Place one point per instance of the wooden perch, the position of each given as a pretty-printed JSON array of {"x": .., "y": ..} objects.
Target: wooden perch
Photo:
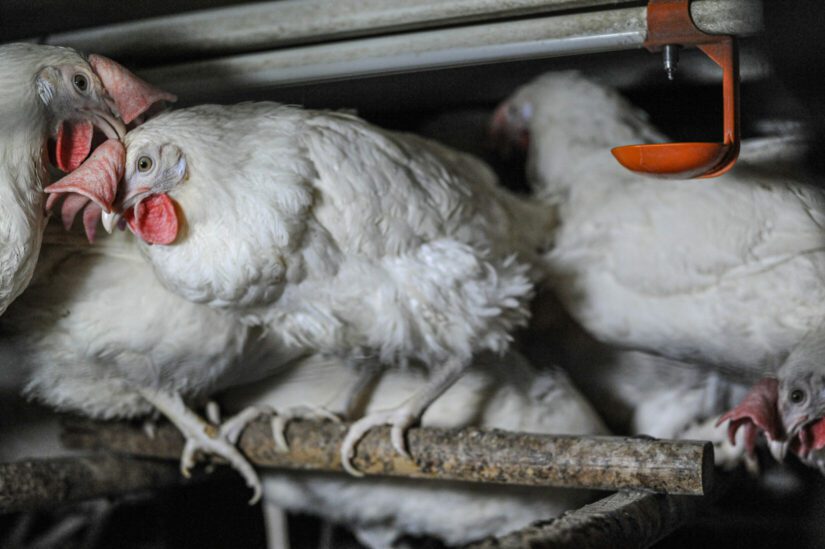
[
  {"x": 607, "y": 463},
  {"x": 41, "y": 483},
  {"x": 625, "y": 519}
]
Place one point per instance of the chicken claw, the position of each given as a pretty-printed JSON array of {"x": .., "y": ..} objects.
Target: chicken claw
[
  {"x": 202, "y": 436},
  {"x": 400, "y": 419},
  {"x": 213, "y": 412},
  {"x": 403, "y": 417},
  {"x": 369, "y": 372},
  {"x": 220, "y": 441}
]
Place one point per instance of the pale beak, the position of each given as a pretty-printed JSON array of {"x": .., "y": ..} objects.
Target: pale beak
[
  {"x": 110, "y": 220},
  {"x": 109, "y": 124},
  {"x": 779, "y": 449}
]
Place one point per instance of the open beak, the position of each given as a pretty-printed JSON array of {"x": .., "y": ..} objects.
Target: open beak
[
  {"x": 810, "y": 433},
  {"x": 74, "y": 137},
  {"x": 126, "y": 98},
  {"x": 109, "y": 124}
]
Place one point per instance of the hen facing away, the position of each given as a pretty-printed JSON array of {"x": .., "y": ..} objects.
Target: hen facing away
[
  {"x": 727, "y": 272},
  {"x": 502, "y": 393},
  {"x": 96, "y": 333},
  {"x": 338, "y": 236},
  {"x": 639, "y": 393},
  {"x": 51, "y": 92}
]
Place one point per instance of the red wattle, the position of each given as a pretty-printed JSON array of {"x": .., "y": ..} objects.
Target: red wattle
[
  {"x": 74, "y": 141},
  {"x": 156, "y": 221}
]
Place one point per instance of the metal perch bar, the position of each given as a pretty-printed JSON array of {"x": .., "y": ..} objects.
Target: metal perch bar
[
  {"x": 624, "y": 519},
  {"x": 607, "y": 463},
  {"x": 223, "y": 61},
  {"x": 35, "y": 484},
  {"x": 410, "y": 52},
  {"x": 269, "y": 25},
  {"x": 532, "y": 38}
]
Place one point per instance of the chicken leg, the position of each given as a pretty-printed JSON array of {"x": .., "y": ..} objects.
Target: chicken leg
[
  {"x": 354, "y": 395},
  {"x": 402, "y": 417},
  {"x": 203, "y": 436}
]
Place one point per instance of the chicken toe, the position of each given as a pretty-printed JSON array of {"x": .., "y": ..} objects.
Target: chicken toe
[
  {"x": 400, "y": 419},
  {"x": 206, "y": 438},
  {"x": 403, "y": 417}
]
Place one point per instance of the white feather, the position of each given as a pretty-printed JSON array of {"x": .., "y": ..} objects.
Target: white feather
[
  {"x": 96, "y": 324},
  {"x": 26, "y": 126},
  {"x": 725, "y": 271},
  {"x": 342, "y": 237}
]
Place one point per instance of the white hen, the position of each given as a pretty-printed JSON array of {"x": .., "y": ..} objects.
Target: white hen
[
  {"x": 503, "y": 393},
  {"x": 96, "y": 333},
  {"x": 337, "y": 235},
  {"x": 727, "y": 271},
  {"x": 638, "y": 393},
  {"x": 46, "y": 91}
]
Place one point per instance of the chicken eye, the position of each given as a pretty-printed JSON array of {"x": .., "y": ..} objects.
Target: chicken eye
[
  {"x": 80, "y": 82},
  {"x": 144, "y": 164},
  {"x": 797, "y": 396},
  {"x": 527, "y": 111}
]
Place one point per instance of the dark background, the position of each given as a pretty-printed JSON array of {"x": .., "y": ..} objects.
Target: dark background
[{"x": 783, "y": 509}]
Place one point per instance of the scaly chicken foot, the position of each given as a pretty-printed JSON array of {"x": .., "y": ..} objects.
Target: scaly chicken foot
[
  {"x": 202, "y": 436},
  {"x": 402, "y": 417},
  {"x": 369, "y": 372}
]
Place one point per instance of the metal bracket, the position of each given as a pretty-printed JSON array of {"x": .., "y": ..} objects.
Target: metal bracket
[{"x": 670, "y": 24}]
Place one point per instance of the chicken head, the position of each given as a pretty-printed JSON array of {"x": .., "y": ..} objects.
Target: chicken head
[
  {"x": 801, "y": 399},
  {"x": 79, "y": 96},
  {"x": 149, "y": 172}
]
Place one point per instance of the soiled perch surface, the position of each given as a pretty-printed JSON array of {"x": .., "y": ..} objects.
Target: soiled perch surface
[{"x": 499, "y": 392}]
